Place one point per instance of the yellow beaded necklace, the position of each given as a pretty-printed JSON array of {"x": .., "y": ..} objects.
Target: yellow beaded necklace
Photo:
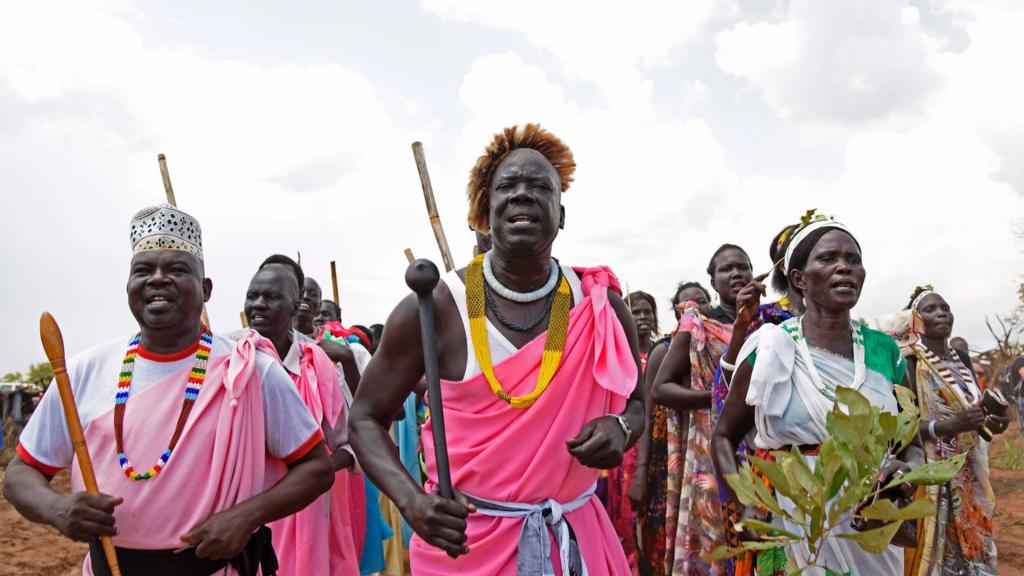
[{"x": 554, "y": 343}]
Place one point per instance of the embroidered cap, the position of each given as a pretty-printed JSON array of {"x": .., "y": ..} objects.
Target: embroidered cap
[{"x": 164, "y": 227}]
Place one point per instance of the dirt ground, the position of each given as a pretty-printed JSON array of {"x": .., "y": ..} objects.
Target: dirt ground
[{"x": 28, "y": 548}]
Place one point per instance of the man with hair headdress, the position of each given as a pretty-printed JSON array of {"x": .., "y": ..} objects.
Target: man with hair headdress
[
  {"x": 234, "y": 446},
  {"x": 539, "y": 365}
]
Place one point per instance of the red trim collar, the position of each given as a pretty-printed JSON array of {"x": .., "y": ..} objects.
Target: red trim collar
[
  {"x": 33, "y": 462},
  {"x": 173, "y": 356}
]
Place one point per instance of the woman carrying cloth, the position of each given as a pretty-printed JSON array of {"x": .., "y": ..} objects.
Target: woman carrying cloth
[
  {"x": 958, "y": 539},
  {"x": 786, "y": 377}
]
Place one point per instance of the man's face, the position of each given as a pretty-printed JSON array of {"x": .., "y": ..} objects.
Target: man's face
[
  {"x": 329, "y": 312},
  {"x": 525, "y": 203},
  {"x": 309, "y": 302},
  {"x": 166, "y": 288},
  {"x": 272, "y": 301}
]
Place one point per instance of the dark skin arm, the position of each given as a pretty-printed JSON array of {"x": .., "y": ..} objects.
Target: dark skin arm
[
  {"x": 341, "y": 459},
  {"x": 79, "y": 516},
  {"x": 638, "y": 489},
  {"x": 226, "y": 533},
  {"x": 343, "y": 355},
  {"x": 672, "y": 383}
]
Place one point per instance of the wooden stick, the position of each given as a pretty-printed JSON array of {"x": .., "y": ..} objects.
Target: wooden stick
[
  {"x": 428, "y": 195},
  {"x": 409, "y": 256},
  {"x": 53, "y": 344},
  {"x": 334, "y": 282},
  {"x": 167, "y": 179},
  {"x": 245, "y": 321}
]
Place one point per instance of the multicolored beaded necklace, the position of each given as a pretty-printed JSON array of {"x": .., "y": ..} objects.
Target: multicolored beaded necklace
[{"x": 124, "y": 389}]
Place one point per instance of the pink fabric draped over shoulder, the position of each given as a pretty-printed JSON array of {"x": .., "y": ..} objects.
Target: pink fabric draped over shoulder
[
  {"x": 220, "y": 460},
  {"x": 302, "y": 541},
  {"x": 508, "y": 454}
]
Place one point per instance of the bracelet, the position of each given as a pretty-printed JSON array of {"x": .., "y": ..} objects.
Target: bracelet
[
  {"x": 931, "y": 430},
  {"x": 725, "y": 365}
]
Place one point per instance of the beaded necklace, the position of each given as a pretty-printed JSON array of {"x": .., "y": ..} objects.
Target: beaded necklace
[
  {"x": 554, "y": 343},
  {"x": 124, "y": 389}
]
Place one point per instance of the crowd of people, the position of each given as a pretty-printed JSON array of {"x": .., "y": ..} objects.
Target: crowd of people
[{"x": 581, "y": 441}]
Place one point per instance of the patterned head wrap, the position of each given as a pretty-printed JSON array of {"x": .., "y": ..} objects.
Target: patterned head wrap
[
  {"x": 164, "y": 227},
  {"x": 921, "y": 293},
  {"x": 803, "y": 232}
]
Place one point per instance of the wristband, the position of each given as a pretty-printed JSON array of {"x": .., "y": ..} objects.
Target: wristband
[
  {"x": 725, "y": 365},
  {"x": 931, "y": 430}
]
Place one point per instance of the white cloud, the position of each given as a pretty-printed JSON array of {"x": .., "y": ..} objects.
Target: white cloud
[
  {"x": 834, "y": 62},
  {"x": 602, "y": 41}
]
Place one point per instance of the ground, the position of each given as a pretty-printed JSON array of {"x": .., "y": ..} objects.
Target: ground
[{"x": 28, "y": 548}]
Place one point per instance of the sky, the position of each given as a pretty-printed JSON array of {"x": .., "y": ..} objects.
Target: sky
[{"x": 287, "y": 128}]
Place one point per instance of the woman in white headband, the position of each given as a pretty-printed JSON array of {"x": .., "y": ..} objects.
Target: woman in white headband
[
  {"x": 958, "y": 539},
  {"x": 786, "y": 377}
]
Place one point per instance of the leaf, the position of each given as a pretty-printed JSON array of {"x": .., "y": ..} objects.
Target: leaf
[
  {"x": 849, "y": 430},
  {"x": 772, "y": 471},
  {"x": 857, "y": 405},
  {"x": 829, "y": 469},
  {"x": 907, "y": 400},
  {"x": 932, "y": 473},
  {"x": 890, "y": 426},
  {"x": 766, "y": 528},
  {"x": 885, "y": 509},
  {"x": 875, "y": 540},
  {"x": 723, "y": 552},
  {"x": 742, "y": 484}
]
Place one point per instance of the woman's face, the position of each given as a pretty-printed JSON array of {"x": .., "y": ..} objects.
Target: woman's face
[
  {"x": 693, "y": 294},
  {"x": 938, "y": 318},
  {"x": 732, "y": 273},
  {"x": 834, "y": 273},
  {"x": 643, "y": 317}
]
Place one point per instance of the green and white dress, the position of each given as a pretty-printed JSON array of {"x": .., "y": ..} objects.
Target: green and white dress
[{"x": 792, "y": 389}]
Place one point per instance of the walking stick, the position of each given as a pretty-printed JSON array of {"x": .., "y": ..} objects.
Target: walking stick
[
  {"x": 334, "y": 282},
  {"x": 53, "y": 344},
  {"x": 422, "y": 276},
  {"x": 435, "y": 219}
]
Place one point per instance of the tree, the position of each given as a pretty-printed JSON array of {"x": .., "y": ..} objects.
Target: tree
[
  {"x": 40, "y": 374},
  {"x": 13, "y": 377}
]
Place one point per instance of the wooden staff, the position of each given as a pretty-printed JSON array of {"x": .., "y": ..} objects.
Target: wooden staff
[
  {"x": 169, "y": 191},
  {"x": 166, "y": 175},
  {"x": 245, "y": 321},
  {"x": 409, "y": 256},
  {"x": 435, "y": 219},
  {"x": 53, "y": 344},
  {"x": 334, "y": 282}
]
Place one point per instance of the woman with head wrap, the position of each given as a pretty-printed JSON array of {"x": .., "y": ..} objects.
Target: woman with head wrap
[
  {"x": 786, "y": 378},
  {"x": 958, "y": 539},
  {"x": 684, "y": 384}
]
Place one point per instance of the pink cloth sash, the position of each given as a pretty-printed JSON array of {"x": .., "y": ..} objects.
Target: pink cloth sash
[
  {"x": 506, "y": 454},
  {"x": 302, "y": 540},
  {"x": 219, "y": 462}
]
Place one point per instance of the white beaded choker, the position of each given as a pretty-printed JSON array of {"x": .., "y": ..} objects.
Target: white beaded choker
[{"x": 514, "y": 296}]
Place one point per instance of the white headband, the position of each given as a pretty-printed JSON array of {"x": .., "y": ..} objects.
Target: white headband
[
  {"x": 803, "y": 233},
  {"x": 920, "y": 297}
]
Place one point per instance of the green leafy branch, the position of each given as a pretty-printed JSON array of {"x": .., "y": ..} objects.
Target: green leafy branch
[{"x": 843, "y": 484}]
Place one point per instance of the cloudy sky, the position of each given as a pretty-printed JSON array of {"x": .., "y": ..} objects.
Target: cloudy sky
[{"x": 287, "y": 128}]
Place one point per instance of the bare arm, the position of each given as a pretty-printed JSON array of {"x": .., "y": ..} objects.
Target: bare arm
[
  {"x": 78, "y": 516},
  {"x": 736, "y": 420},
  {"x": 672, "y": 383},
  {"x": 638, "y": 489},
  {"x": 389, "y": 378}
]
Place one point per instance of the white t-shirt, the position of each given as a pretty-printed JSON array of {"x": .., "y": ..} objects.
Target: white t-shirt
[{"x": 94, "y": 374}]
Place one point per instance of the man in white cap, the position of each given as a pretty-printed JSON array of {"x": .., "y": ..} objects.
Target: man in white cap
[{"x": 217, "y": 417}]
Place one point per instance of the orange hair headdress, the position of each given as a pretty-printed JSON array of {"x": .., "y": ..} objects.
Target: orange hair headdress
[{"x": 531, "y": 136}]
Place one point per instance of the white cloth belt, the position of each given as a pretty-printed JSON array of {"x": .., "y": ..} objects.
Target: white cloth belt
[{"x": 534, "y": 555}]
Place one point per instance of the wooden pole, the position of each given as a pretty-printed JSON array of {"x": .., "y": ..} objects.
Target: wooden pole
[
  {"x": 245, "y": 321},
  {"x": 435, "y": 219},
  {"x": 53, "y": 344},
  {"x": 334, "y": 282},
  {"x": 169, "y": 192},
  {"x": 409, "y": 256},
  {"x": 167, "y": 179}
]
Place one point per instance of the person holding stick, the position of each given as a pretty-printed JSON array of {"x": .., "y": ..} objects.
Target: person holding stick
[
  {"x": 198, "y": 441},
  {"x": 539, "y": 367}
]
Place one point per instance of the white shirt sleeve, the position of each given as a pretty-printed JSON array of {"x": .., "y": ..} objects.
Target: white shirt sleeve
[
  {"x": 290, "y": 429},
  {"x": 45, "y": 442}
]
